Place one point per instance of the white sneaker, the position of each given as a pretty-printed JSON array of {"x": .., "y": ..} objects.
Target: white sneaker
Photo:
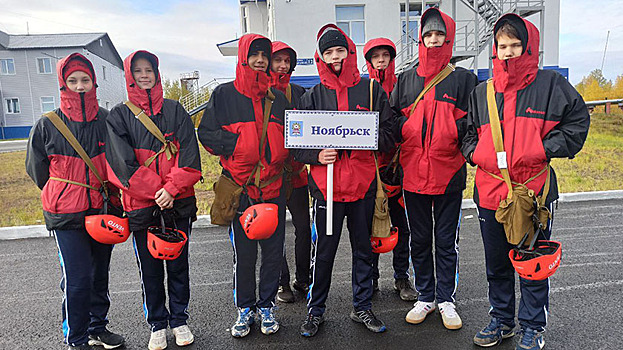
[
  {"x": 183, "y": 335},
  {"x": 420, "y": 310},
  {"x": 450, "y": 318},
  {"x": 158, "y": 340}
]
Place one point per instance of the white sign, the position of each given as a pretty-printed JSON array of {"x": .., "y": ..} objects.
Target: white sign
[{"x": 332, "y": 129}]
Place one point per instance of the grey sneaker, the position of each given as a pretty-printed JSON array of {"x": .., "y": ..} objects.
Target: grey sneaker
[
  {"x": 493, "y": 334},
  {"x": 285, "y": 295},
  {"x": 404, "y": 287},
  {"x": 368, "y": 318}
]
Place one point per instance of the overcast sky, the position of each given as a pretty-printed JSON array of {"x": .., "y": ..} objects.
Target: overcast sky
[{"x": 184, "y": 34}]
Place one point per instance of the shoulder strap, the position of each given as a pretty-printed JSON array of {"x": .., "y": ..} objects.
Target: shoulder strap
[
  {"x": 268, "y": 104},
  {"x": 379, "y": 183},
  {"x": 436, "y": 80},
  {"x": 289, "y": 93},
  {"x": 371, "y": 93},
  {"x": 64, "y": 130},
  {"x": 167, "y": 146},
  {"x": 496, "y": 133}
]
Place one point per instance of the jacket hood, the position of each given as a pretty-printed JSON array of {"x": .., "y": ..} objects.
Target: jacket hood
[
  {"x": 149, "y": 100},
  {"x": 387, "y": 76},
  {"x": 249, "y": 82},
  {"x": 72, "y": 104},
  {"x": 434, "y": 59},
  {"x": 518, "y": 72},
  {"x": 349, "y": 74},
  {"x": 281, "y": 80}
]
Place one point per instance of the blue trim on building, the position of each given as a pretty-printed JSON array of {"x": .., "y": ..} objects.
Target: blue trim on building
[
  {"x": 14, "y": 132},
  {"x": 308, "y": 81}
]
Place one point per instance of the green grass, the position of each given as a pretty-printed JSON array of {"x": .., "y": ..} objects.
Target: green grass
[{"x": 598, "y": 167}]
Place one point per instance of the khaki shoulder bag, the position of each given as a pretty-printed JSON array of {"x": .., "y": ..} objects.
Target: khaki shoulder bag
[{"x": 522, "y": 211}]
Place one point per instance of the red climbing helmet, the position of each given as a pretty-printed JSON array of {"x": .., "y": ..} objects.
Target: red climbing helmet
[
  {"x": 107, "y": 229},
  {"x": 385, "y": 244},
  {"x": 260, "y": 221},
  {"x": 165, "y": 243},
  {"x": 536, "y": 262},
  {"x": 392, "y": 179}
]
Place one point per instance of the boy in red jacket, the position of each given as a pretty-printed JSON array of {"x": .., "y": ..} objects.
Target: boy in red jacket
[{"x": 542, "y": 117}]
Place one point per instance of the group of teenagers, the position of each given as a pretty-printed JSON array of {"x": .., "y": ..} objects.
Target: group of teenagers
[{"x": 433, "y": 119}]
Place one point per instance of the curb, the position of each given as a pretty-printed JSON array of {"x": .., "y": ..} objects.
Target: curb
[{"x": 203, "y": 221}]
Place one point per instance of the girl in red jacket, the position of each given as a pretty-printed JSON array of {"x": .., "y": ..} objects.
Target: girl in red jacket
[
  {"x": 51, "y": 162},
  {"x": 154, "y": 180}
]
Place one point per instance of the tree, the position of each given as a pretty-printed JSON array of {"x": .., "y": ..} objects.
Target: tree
[
  {"x": 595, "y": 86},
  {"x": 173, "y": 89}
]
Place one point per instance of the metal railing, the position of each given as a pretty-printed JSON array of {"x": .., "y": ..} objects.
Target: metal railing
[
  {"x": 199, "y": 97},
  {"x": 606, "y": 103}
]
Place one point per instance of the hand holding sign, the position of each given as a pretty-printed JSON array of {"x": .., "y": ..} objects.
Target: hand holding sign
[{"x": 328, "y": 131}]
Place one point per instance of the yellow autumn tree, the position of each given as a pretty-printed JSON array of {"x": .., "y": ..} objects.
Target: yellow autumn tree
[{"x": 595, "y": 86}]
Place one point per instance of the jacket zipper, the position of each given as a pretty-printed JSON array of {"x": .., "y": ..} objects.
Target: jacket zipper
[{"x": 84, "y": 119}]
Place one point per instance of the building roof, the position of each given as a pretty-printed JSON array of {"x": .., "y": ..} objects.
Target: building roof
[{"x": 39, "y": 41}]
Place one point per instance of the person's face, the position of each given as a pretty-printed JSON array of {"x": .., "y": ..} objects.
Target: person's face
[
  {"x": 143, "y": 74},
  {"x": 380, "y": 58},
  {"x": 258, "y": 61},
  {"x": 79, "y": 81},
  {"x": 434, "y": 38},
  {"x": 280, "y": 62},
  {"x": 334, "y": 56},
  {"x": 508, "y": 47}
]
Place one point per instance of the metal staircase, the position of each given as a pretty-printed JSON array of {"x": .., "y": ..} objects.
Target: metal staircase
[
  {"x": 195, "y": 101},
  {"x": 474, "y": 35}
]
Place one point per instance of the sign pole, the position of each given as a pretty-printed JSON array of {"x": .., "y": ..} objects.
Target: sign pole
[{"x": 330, "y": 199}]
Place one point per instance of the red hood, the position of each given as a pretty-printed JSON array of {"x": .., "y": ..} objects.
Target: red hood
[
  {"x": 281, "y": 80},
  {"x": 516, "y": 73},
  {"x": 71, "y": 102},
  {"x": 249, "y": 82},
  {"x": 349, "y": 75},
  {"x": 387, "y": 76},
  {"x": 139, "y": 96},
  {"x": 434, "y": 59}
]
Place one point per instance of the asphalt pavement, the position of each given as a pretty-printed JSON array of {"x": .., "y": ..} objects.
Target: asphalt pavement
[{"x": 585, "y": 304}]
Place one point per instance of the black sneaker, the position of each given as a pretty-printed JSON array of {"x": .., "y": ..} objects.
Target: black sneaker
[
  {"x": 369, "y": 320},
  {"x": 285, "y": 295},
  {"x": 107, "y": 339},
  {"x": 404, "y": 287},
  {"x": 309, "y": 328},
  {"x": 81, "y": 347},
  {"x": 300, "y": 286}
]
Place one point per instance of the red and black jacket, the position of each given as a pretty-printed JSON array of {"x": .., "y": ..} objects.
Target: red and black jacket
[
  {"x": 542, "y": 117},
  {"x": 354, "y": 171},
  {"x": 431, "y": 136},
  {"x": 50, "y": 155},
  {"x": 386, "y": 77},
  {"x": 280, "y": 81},
  {"x": 232, "y": 123},
  {"x": 130, "y": 144}
]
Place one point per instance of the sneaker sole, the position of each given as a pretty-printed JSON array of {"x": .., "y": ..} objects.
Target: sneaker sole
[
  {"x": 267, "y": 331},
  {"x": 452, "y": 327},
  {"x": 358, "y": 320},
  {"x": 184, "y": 343},
  {"x": 158, "y": 348},
  {"x": 241, "y": 335},
  {"x": 504, "y": 336},
  {"x": 288, "y": 301},
  {"x": 413, "y": 298},
  {"x": 413, "y": 321},
  {"x": 100, "y": 343}
]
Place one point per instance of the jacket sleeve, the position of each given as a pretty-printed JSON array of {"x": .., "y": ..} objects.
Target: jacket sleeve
[
  {"x": 37, "y": 162},
  {"x": 394, "y": 103},
  {"x": 468, "y": 82},
  {"x": 307, "y": 156},
  {"x": 187, "y": 169},
  {"x": 213, "y": 137},
  {"x": 123, "y": 169},
  {"x": 566, "y": 139},
  {"x": 386, "y": 118},
  {"x": 472, "y": 124}
]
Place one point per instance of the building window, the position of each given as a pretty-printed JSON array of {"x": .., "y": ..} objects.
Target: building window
[
  {"x": 104, "y": 72},
  {"x": 47, "y": 104},
  {"x": 245, "y": 19},
  {"x": 12, "y": 105},
  {"x": 350, "y": 19},
  {"x": 44, "y": 65},
  {"x": 7, "y": 66}
]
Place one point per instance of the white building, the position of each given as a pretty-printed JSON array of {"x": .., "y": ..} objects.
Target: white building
[
  {"x": 297, "y": 22},
  {"x": 28, "y": 79}
]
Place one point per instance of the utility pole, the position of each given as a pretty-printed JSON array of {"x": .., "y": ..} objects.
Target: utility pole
[{"x": 603, "y": 60}]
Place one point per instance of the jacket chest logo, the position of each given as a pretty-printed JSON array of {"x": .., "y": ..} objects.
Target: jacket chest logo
[
  {"x": 446, "y": 96},
  {"x": 532, "y": 111},
  {"x": 361, "y": 108}
]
